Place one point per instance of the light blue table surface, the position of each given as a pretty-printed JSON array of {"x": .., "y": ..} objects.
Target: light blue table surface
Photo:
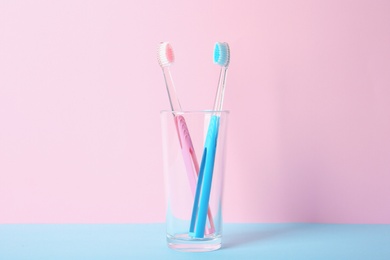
[{"x": 240, "y": 241}]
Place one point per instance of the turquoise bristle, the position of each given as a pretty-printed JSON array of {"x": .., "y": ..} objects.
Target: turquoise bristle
[{"x": 221, "y": 54}]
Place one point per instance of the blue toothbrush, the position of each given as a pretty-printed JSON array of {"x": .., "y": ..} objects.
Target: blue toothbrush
[{"x": 203, "y": 188}]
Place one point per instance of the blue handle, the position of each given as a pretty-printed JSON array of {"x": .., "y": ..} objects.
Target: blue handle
[{"x": 205, "y": 177}]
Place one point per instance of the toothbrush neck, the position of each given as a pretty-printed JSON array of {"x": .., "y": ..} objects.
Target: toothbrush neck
[
  {"x": 218, "y": 103},
  {"x": 171, "y": 90}
]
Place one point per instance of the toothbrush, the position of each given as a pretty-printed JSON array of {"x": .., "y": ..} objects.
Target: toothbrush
[
  {"x": 166, "y": 58},
  {"x": 203, "y": 189}
]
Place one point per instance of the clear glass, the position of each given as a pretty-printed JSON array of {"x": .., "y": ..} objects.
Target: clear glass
[{"x": 180, "y": 192}]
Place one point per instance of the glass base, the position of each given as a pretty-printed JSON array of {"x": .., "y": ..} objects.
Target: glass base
[{"x": 185, "y": 243}]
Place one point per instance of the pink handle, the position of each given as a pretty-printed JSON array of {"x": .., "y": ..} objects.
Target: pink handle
[{"x": 191, "y": 162}]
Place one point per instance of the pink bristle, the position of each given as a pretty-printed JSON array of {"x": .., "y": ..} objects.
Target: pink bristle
[{"x": 169, "y": 54}]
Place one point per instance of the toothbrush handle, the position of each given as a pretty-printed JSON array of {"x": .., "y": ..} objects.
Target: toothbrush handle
[
  {"x": 203, "y": 189},
  {"x": 191, "y": 162}
]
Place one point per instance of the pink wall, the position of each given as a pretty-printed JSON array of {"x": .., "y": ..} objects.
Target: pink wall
[{"x": 81, "y": 90}]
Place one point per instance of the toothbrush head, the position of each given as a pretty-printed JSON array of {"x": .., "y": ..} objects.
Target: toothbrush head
[
  {"x": 165, "y": 54},
  {"x": 222, "y": 54}
]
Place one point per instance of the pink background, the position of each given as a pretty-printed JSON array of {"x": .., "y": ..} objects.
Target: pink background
[{"x": 81, "y": 90}]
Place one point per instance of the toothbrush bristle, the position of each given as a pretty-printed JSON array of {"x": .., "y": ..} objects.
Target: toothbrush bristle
[
  {"x": 222, "y": 54},
  {"x": 169, "y": 53},
  {"x": 165, "y": 55}
]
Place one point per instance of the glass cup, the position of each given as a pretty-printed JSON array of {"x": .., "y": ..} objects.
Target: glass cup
[{"x": 194, "y": 166}]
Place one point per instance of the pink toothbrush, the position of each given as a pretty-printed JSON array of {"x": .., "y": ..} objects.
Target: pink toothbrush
[{"x": 165, "y": 59}]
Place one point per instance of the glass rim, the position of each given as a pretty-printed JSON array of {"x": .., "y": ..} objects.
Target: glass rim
[{"x": 194, "y": 111}]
